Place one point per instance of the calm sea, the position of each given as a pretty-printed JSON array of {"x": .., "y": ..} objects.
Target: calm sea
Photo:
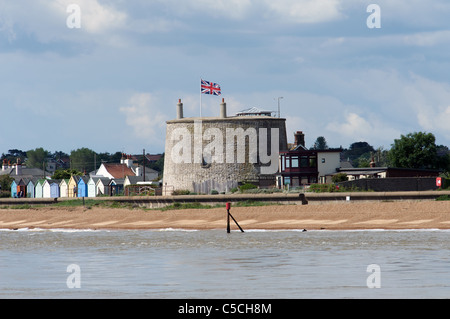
[{"x": 213, "y": 264}]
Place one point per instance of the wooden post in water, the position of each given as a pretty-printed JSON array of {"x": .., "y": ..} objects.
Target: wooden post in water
[{"x": 228, "y": 205}]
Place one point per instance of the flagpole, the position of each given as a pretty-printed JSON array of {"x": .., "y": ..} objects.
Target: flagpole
[{"x": 200, "y": 96}]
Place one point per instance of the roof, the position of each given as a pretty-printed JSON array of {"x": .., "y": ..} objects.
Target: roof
[
  {"x": 118, "y": 170},
  {"x": 135, "y": 179},
  {"x": 254, "y": 111},
  {"x": 153, "y": 157}
]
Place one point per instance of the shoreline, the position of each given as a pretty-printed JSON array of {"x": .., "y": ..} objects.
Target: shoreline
[{"x": 396, "y": 215}]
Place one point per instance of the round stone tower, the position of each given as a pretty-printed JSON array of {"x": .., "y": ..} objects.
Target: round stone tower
[{"x": 217, "y": 153}]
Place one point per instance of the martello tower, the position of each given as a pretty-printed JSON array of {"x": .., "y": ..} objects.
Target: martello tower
[{"x": 218, "y": 153}]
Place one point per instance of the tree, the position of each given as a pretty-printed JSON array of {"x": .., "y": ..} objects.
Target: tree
[
  {"x": 65, "y": 174},
  {"x": 414, "y": 150},
  {"x": 5, "y": 185},
  {"x": 37, "y": 158},
  {"x": 359, "y": 154},
  {"x": 83, "y": 159},
  {"x": 320, "y": 143}
]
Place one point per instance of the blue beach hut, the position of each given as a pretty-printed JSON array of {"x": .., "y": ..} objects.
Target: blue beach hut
[
  {"x": 14, "y": 189},
  {"x": 82, "y": 187}
]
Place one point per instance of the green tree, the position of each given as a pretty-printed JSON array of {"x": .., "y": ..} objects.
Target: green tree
[
  {"x": 83, "y": 159},
  {"x": 5, "y": 185},
  {"x": 37, "y": 158},
  {"x": 320, "y": 143},
  {"x": 414, "y": 150},
  {"x": 65, "y": 173}
]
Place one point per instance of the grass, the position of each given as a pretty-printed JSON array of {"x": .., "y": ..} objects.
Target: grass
[{"x": 443, "y": 197}]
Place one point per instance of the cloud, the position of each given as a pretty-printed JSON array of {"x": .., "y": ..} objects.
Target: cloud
[
  {"x": 304, "y": 11},
  {"x": 144, "y": 115},
  {"x": 358, "y": 128}
]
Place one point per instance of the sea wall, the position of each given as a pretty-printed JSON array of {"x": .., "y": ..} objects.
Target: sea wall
[{"x": 219, "y": 199}]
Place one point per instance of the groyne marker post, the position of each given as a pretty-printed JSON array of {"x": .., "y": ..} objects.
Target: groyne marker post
[{"x": 228, "y": 206}]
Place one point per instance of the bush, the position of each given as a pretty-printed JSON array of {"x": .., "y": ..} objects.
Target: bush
[
  {"x": 234, "y": 190},
  {"x": 247, "y": 186},
  {"x": 181, "y": 192},
  {"x": 322, "y": 188},
  {"x": 339, "y": 177},
  {"x": 214, "y": 192}
]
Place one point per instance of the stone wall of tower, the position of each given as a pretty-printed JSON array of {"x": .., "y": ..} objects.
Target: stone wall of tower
[{"x": 194, "y": 168}]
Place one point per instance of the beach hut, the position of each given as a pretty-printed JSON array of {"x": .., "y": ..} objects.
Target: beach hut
[
  {"x": 73, "y": 186},
  {"x": 14, "y": 189},
  {"x": 38, "y": 192},
  {"x": 30, "y": 188},
  {"x": 50, "y": 188},
  {"x": 64, "y": 188},
  {"x": 102, "y": 186},
  {"x": 116, "y": 186},
  {"x": 22, "y": 188},
  {"x": 82, "y": 186},
  {"x": 91, "y": 186}
]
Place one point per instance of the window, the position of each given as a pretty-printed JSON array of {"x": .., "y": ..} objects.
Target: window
[
  {"x": 294, "y": 160},
  {"x": 282, "y": 162},
  {"x": 323, "y": 160},
  {"x": 287, "y": 180},
  {"x": 304, "y": 161},
  {"x": 312, "y": 161}
]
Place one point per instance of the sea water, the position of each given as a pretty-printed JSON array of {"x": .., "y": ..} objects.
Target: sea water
[{"x": 172, "y": 263}]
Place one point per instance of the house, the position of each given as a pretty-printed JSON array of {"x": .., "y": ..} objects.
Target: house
[
  {"x": 64, "y": 188},
  {"x": 50, "y": 188},
  {"x": 132, "y": 180},
  {"x": 82, "y": 186},
  {"x": 153, "y": 158},
  {"x": 386, "y": 172},
  {"x": 18, "y": 171},
  {"x": 125, "y": 168},
  {"x": 300, "y": 166},
  {"x": 38, "y": 191},
  {"x": 102, "y": 186}
]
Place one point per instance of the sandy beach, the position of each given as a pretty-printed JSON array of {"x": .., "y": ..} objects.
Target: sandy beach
[{"x": 332, "y": 216}]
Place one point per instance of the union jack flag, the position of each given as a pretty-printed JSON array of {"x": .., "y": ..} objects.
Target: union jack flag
[{"x": 210, "y": 88}]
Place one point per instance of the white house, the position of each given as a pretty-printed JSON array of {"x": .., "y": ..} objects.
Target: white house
[{"x": 125, "y": 168}]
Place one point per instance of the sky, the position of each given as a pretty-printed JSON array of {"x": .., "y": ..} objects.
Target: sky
[{"x": 107, "y": 75}]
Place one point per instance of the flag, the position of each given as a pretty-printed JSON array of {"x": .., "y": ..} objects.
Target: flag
[{"x": 210, "y": 88}]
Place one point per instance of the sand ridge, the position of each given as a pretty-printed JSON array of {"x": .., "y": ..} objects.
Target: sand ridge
[{"x": 339, "y": 215}]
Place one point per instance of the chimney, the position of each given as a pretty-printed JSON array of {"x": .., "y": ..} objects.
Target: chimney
[
  {"x": 18, "y": 168},
  {"x": 128, "y": 161},
  {"x": 299, "y": 138},
  {"x": 372, "y": 162},
  {"x": 179, "y": 110},
  {"x": 223, "y": 109}
]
